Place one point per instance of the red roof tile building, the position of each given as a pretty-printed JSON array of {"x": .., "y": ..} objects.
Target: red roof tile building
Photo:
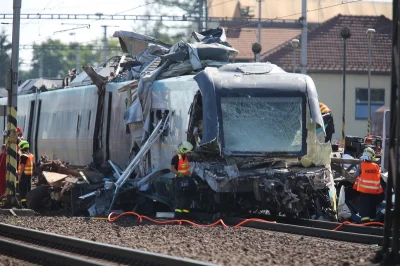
[
  {"x": 273, "y": 36},
  {"x": 325, "y": 47}
]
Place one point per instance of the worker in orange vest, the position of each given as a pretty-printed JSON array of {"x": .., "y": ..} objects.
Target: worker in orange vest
[
  {"x": 328, "y": 121},
  {"x": 25, "y": 171},
  {"x": 368, "y": 184},
  {"x": 180, "y": 166}
]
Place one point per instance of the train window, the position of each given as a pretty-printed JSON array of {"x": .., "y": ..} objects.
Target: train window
[
  {"x": 157, "y": 115},
  {"x": 78, "y": 123},
  {"x": 90, "y": 114}
]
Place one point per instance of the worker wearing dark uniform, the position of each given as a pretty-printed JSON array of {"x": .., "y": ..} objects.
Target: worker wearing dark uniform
[
  {"x": 328, "y": 121},
  {"x": 180, "y": 166},
  {"x": 368, "y": 184},
  {"x": 25, "y": 171}
]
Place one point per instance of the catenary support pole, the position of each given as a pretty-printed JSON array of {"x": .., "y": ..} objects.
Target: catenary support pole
[
  {"x": 259, "y": 29},
  {"x": 392, "y": 211},
  {"x": 346, "y": 34},
  {"x": 304, "y": 38},
  {"x": 370, "y": 35},
  {"x": 77, "y": 57},
  {"x": 12, "y": 82},
  {"x": 344, "y": 91},
  {"x": 105, "y": 44},
  {"x": 41, "y": 63},
  {"x": 201, "y": 13},
  {"x": 395, "y": 214},
  {"x": 206, "y": 7},
  {"x": 369, "y": 87}
]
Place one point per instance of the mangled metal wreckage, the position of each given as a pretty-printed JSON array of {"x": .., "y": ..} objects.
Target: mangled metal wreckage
[{"x": 250, "y": 123}]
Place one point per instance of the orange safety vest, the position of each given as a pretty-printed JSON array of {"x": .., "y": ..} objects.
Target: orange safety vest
[
  {"x": 29, "y": 164},
  {"x": 324, "y": 109},
  {"x": 183, "y": 165},
  {"x": 369, "y": 181}
]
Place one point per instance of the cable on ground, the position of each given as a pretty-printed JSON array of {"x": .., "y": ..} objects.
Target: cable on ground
[
  {"x": 112, "y": 217},
  {"x": 355, "y": 224}
]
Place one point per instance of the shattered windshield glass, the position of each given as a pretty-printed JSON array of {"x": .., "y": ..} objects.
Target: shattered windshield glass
[{"x": 262, "y": 124}]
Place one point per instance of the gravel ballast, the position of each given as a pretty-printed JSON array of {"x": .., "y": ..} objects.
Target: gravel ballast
[
  {"x": 242, "y": 246},
  {"x": 8, "y": 261}
]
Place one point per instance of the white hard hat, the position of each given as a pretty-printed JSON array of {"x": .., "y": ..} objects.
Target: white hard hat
[
  {"x": 369, "y": 152},
  {"x": 185, "y": 147}
]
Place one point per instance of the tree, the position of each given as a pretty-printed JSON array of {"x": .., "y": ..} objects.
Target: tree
[
  {"x": 53, "y": 59},
  {"x": 5, "y": 49},
  {"x": 171, "y": 34}
]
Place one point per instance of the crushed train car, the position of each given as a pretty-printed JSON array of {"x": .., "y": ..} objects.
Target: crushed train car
[{"x": 250, "y": 123}]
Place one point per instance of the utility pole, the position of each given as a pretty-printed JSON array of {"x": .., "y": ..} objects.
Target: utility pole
[
  {"x": 201, "y": 13},
  {"x": 77, "y": 52},
  {"x": 304, "y": 38},
  {"x": 12, "y": 87},
  {"x": 105, "y": 43},
  {"x": 259, "y": 28},
  {"x": 370, "y": 35},
  {"x": 41, "y": 63},
  {"x": 78, "y": 57},
  {"x": 346, "y": 34},
  {"x": 206, "y": 20}
]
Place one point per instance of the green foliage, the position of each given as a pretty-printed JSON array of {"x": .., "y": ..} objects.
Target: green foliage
[
  {"x": 161, "y": 30},
  {"x": 5, "y": 50},
  {"x": 56, "y": 58}
]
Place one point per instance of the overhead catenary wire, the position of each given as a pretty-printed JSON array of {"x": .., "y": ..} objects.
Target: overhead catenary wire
[
  {"x": 294, "y": 14},
  {"x": 67, "y": 47},
  {"x": 100, "y": 18},
  {"x": 23, "y": 26}
]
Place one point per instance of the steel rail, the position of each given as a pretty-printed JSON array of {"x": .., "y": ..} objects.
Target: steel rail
[
  {"x": 45, "y": 256},
  {"x": 310, "y": 231},
  {"x": 101, "y": 251}
]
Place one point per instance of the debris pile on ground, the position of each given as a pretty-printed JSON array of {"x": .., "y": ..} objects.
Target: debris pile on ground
[
  {"x": 242, "y": 246},
  {"x": 55, "y": 182}
]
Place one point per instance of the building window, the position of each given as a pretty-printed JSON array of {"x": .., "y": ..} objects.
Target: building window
[{"x": 377, "y": 100}]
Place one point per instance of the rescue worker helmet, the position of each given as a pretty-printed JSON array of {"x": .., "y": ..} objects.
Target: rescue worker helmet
[
  {"x": 23, "y": 145},
  {"x": 185, "y": 147},
  {"x": 370, "y": 153}
]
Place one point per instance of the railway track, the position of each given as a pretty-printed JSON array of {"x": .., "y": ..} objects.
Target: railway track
[
  {"x": 51, "y": 249},
  {"x": 316, "y": 228}
]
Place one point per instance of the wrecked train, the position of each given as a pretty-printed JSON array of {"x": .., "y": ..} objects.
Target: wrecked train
[{"x": 249, "y": 123}]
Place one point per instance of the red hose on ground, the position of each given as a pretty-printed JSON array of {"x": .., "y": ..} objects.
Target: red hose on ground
[
  {"x": 354, "y": 224},
  {"x": 112, "y": 217}
]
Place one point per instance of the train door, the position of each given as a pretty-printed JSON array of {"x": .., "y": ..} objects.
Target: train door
[
  {"x": 28, "y": 132},
  {"x": 35, "y": 129}
]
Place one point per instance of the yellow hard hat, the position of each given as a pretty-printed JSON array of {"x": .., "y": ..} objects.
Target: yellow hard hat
[
  {"x": 185, "y": 147},
  {"x": 23, "y": 144}
]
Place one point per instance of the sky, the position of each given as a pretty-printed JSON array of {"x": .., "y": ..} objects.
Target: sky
[{"x": 38, "y": 30}]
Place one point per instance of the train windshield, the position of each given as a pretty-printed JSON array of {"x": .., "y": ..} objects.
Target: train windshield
[{"x": 254, "y": 125}]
